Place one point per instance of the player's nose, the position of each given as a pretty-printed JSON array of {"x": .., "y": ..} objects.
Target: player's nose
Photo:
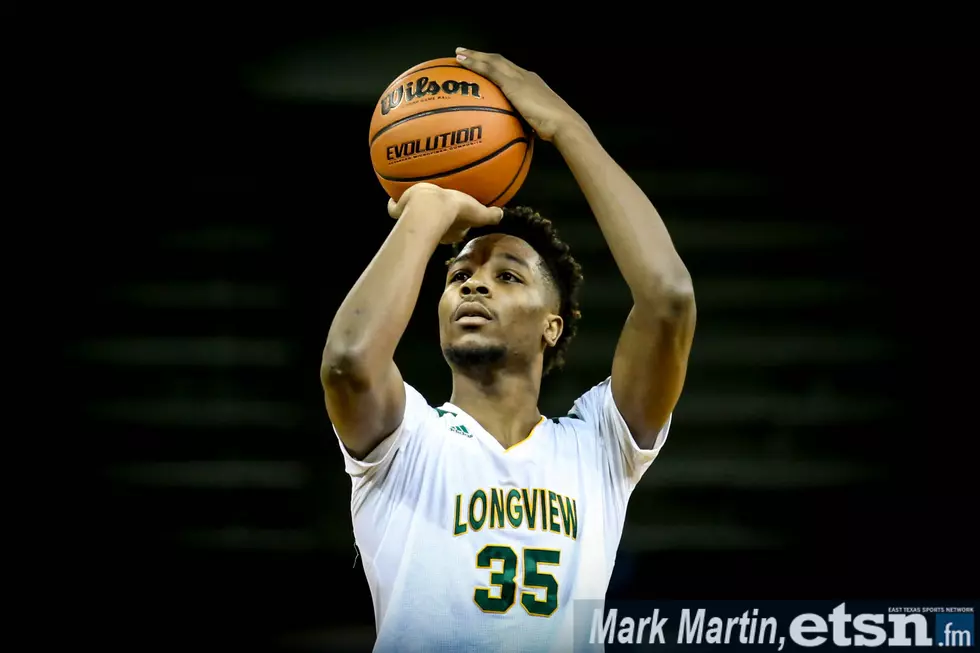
[{"x": 474, "y": 285}]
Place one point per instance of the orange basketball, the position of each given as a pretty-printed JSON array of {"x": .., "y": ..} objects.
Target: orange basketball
[{"x": 441, "y": 123}]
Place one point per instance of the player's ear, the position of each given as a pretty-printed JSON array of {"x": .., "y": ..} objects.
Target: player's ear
[{"x": 553, "y": 326}]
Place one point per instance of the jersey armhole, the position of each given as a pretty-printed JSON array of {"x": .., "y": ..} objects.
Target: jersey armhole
[
  {"x": 384, "y": 452},
  {"x": 377, "y": 457}
]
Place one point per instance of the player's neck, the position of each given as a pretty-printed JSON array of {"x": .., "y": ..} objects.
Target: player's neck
[{"x": 506, "y": 405}]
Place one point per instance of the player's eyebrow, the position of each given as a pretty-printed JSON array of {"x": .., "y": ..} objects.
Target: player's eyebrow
[{"x": 515, "y": 259}]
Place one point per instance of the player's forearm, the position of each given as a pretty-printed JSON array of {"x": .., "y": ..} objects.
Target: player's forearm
[
  {"x": 372, "y": 319},
  {"x": 635, "y": 232}
]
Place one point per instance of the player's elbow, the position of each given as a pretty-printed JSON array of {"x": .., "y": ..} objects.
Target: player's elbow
[
  {"x": 680, "y": 295},
  {"x": 671, "y": 295},
  {"x": 343, "y": 366}
]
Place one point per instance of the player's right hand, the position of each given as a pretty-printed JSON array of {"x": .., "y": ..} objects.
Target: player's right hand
[{"x": 461, "y": 211}]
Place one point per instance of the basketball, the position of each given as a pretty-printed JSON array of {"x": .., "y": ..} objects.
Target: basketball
[{"x": 441, "y": 123}]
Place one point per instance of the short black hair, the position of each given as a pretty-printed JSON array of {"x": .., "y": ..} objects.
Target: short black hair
[{"x": 539, "y": 232}]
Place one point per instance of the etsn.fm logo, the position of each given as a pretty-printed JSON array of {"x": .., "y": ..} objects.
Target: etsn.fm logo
[{"x": 954, "y": 630}]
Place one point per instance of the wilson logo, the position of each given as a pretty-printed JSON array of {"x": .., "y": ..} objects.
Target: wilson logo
[{"x": 424, "y": 87}]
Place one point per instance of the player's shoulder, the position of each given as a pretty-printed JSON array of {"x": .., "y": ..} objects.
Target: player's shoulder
[
  {"x": 580, "y": 416},
  {"x": 582, "y": 419},
  {"x": 447, "y": 419},
  {"x": 570, "y": 422},
  {"x": 442, "y": 417},
  {"x": 568, "y": 436},
  {"x": 587, "y": 404}
]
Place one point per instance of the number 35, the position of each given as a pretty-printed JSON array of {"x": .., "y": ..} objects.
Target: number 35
[{"x": 504, "y": 581}]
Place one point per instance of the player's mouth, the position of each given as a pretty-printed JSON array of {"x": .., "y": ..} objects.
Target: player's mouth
[{"x": 472, "y": 313}]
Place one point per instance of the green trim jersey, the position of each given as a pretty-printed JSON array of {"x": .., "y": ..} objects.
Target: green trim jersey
[{"x": 468, "y": 546}]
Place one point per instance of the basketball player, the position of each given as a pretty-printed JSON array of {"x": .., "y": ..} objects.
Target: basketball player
[{"x": 479, "y": 521}]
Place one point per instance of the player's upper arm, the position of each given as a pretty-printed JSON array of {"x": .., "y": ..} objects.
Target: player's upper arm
[
  {"x": 650, "y": 363},
  {"x": 364, "y": 409}
]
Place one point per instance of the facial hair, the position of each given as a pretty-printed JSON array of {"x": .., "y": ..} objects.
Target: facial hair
[{"x": 474, "y": 358}]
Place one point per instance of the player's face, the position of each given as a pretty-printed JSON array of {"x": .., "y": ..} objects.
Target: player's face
[{"x": 498, "y": 303}]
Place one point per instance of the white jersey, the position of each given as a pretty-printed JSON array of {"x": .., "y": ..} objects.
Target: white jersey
[{"x": 468, "y": 546}]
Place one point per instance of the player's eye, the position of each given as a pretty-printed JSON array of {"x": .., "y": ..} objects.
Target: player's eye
[
  {"x": 458, "y": 277},
  {"x": 509, "y": 277}
]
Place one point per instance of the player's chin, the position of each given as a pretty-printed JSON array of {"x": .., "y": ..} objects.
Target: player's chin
[
  {"x": 474, "y": 337},
  {"x": 474, "y": 351}
]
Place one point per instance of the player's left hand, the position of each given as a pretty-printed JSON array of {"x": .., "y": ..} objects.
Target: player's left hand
[{"x": 541, "y": 107}]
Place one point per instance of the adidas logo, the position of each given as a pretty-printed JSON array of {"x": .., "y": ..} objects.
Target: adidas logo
[{"x": 459, "y": 428}]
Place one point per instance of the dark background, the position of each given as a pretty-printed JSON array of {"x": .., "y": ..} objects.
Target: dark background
[{"x": 812, "y": 455}]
